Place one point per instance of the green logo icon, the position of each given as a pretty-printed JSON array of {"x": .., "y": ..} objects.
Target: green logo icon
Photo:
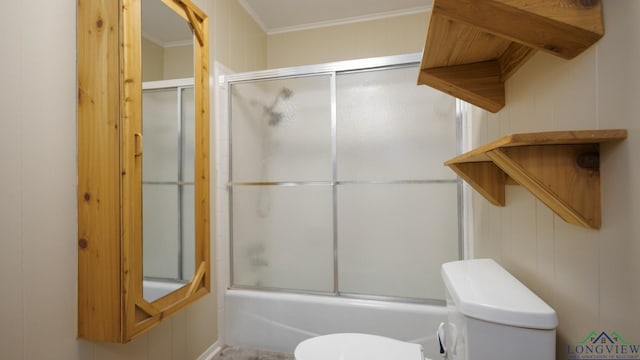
[{"x": 603, "y": 345}]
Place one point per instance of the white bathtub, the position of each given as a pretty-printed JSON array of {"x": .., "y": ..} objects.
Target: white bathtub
[
  {"x": 155, "y": 289},
  {"x": 278, "y": 321}
]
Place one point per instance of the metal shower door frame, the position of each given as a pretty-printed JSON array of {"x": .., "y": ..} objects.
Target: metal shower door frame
[
  {"x": 179, "y": 85},
  {"x": 333, "y": 70}
]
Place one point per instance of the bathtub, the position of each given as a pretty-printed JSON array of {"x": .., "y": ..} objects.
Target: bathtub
[
  {"x": 155, "y": 289},
  {"x": 279, "y": 321}
]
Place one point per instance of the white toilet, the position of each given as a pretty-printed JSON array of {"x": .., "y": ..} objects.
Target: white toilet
[
  {"x": 492, "y": 316},
  {"x": 357, "y": 347}
]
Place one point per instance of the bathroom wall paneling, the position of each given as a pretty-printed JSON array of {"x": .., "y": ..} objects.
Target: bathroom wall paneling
[{"x": 586, "y": 275}]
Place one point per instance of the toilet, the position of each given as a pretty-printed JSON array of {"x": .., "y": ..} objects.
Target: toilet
[
  {"x": 356, "y": 347},
  {"x": 491, "y": 316}
]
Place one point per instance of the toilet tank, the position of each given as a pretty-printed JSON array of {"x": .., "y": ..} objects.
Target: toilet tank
[{"x": 493, "y": 316}]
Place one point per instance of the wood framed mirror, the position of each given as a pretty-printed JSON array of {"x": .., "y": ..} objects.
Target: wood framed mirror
[{"x": 110, "y": 139}]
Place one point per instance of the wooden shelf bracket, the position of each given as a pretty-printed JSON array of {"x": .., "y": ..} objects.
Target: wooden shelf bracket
[
  {"x": 473, "y": 47},
  {"x": 561, "y": 169}
]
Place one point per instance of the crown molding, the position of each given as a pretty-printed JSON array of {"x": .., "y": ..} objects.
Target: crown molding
[{"x": 329, "y": 23}]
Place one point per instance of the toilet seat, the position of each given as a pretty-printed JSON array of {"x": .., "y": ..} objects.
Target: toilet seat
[{"x": 351, "y": 346}]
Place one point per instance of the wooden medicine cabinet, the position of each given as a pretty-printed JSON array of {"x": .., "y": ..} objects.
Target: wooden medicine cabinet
[
  {"x": 474, "y": 46},
  {"x": 112, "y": 303}
]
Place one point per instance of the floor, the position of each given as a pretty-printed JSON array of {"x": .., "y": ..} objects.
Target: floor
[{"x": 235, "y": 353}]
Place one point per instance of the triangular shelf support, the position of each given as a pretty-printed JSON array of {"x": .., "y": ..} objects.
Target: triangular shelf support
[
  {"x": 559, "y": 168},
  {"x": 473, "y": 47}
]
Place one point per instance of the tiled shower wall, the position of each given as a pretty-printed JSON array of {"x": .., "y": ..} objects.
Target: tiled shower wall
[{"x": 590, "y": 277}]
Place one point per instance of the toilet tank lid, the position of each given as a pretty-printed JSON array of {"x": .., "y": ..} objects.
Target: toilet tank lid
[{"x": 482, "y": 289}]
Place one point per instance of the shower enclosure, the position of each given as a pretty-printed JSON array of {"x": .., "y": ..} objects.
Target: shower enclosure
[
  {"x": 168, "y": 185},
  {"x": 337, "y": 184}
]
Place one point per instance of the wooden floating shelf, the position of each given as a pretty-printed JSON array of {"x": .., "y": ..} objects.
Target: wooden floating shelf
[
  {"x": 560, "y": 168},
  {"x": 474, "y": 46}
]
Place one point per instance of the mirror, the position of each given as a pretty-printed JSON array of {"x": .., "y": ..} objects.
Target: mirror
[
  {"x": 168, "y": 120},
  {"x": 140, "y": 174},
  {"x": 166, "y": 43}
]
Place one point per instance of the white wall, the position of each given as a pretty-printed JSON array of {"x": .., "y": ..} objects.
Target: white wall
[
  {"x": 166, "y": 63},
  {"x": 590, "y": 277},
  {"x": 237, "y": 40},
  {"x": 38, "y": 222},
  {"x": 380, "y": 37},
  {"x": 178, "y": 62},
  {"x": 152, "y": 60},
  {"x": 37, "y": 182}
]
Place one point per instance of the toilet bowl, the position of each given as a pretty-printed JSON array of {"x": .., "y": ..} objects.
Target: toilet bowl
[{"x": 350, "y": 346}]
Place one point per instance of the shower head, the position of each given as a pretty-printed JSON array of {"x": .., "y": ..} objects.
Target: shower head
[
  {"x": 285, "y": 93},
  {"x": 274, "y": 117}
]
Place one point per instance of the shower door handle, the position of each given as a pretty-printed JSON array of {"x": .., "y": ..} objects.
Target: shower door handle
[{"x": 137, "y": 144}]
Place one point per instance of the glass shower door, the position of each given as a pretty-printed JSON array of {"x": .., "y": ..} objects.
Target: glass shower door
[
  {"x": 281, "y": 184},
  {"x": 167, "y": 183},
  {"x": 397, "y": 205},
  {"x": 337, "y": 183}
]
